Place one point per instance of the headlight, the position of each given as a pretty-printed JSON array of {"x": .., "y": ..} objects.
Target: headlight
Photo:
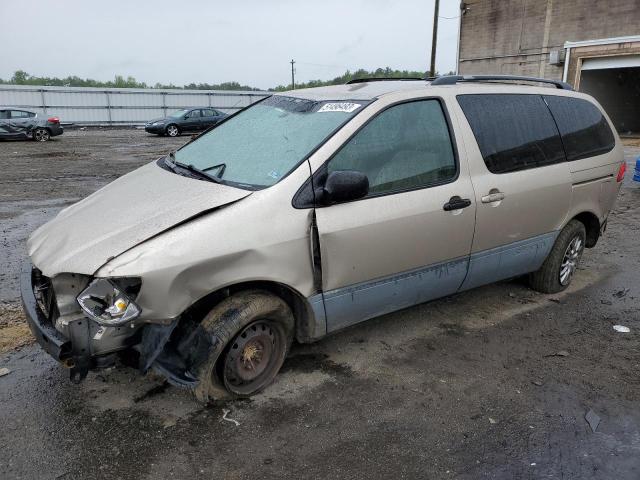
[
  {"x": 155, "y": 124},
  {"x": 110, "y": 301}
]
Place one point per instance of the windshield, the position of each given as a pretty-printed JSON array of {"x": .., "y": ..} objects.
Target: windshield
[
  {"x": 179, "y": 113},
  {"x": 262, "y": 144}
]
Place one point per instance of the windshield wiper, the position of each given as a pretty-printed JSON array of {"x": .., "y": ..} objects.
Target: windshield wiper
[
  {"x": 196, "y": 170},
  {"x": 221, "y": 166}
]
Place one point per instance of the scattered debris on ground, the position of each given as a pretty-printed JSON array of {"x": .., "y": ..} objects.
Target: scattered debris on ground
[
  {"x": 561, "y": 353},
  {"x": 593, "y": 420},
  {"x": 621, "y": 293},
  {"x": 225, "y": 412},
  {"x": 621, "y": 329},
  {"x": 14, "y": 331}
]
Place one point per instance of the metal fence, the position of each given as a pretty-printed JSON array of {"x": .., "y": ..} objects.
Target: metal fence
[{"x": 118, "y": 106}]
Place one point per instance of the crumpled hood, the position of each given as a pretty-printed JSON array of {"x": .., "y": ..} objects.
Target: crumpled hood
[{"x": 128, "y": 211}]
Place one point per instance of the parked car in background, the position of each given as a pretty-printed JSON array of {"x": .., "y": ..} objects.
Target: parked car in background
[
  {"x": 316, "y": 209},
  {"x": 18, "y": 123},
  {"x": 185, "y": 120}
]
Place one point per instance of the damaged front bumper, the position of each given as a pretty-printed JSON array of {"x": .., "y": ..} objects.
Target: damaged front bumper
[
  {"x": 84, "y": 345},
  {"x": 40, "y": 323}
]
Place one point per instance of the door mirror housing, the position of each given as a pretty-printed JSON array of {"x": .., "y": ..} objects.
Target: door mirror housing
[{"x": 344, "y": 186}]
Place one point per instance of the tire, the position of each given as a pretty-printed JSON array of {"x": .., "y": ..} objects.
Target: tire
[
  {"x": 251, "y": 333},
  {"x": 562, "y": 262},
  {"x": 41, "y": 135},
  {"x": 172, "y": 130}
]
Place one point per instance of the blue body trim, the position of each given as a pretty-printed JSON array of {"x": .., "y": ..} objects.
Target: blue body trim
[
  {"x": 356, "y": 303},
  {"x": 353, "y": 304},
  {"x": 320, "y": 318},
  {"x": 507, "y": 261}
]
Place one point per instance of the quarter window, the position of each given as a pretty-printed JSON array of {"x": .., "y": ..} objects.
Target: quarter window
[
  {"x": 405, "y": 147},
  {"x": 514, "y": 132},
  {"x": 584, "y": 130}
]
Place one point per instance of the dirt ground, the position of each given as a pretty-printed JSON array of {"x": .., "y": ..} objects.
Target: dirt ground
[{"x": 492, "y": 383}]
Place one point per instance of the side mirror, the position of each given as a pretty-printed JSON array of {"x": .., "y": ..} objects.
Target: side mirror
[{"x": 344, "y": 186}]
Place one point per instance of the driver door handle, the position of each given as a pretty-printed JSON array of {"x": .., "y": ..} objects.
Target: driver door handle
[
  {"x": 456, "y": 203},
  {"x": 494, "y": 196}
]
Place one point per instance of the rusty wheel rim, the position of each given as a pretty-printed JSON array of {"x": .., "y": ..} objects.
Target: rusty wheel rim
[{"x": 254, "y": 357}]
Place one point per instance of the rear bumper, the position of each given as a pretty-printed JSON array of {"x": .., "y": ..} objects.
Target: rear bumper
[
  {"x": 55, "y": 129},
  {"x": 50, "y": 339}
]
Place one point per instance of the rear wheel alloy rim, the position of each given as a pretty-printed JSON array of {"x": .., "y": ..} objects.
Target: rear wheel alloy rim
[
  {"x": 42, "y": 135},
  {"x": 254, "y": 357},
  {"x": 172, "y": 131},
  {"x": 570, "y": 260}
]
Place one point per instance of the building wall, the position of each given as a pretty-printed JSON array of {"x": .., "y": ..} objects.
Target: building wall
[{"x": 515, "y": 36}]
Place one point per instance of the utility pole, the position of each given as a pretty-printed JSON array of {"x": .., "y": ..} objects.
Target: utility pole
[
  {"x": 293, "y": 75},
  {"x": 434, "y": 41}
]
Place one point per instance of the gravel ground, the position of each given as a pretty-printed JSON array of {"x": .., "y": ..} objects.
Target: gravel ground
[{"x": 492, "y": 383}]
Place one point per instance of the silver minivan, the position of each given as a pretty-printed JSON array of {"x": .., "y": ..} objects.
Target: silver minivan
[{"x": 314, "y": 210}]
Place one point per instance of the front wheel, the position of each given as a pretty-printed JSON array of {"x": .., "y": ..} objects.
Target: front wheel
[
  {"x": 558, "y": 269},
  {"x": 251, "y": 333},
  {"x": 41, "y": 135},
  {"x": 173, "y": 130}
]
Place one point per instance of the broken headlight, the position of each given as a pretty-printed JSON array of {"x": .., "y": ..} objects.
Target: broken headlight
[{"x": 110, "y": 301}]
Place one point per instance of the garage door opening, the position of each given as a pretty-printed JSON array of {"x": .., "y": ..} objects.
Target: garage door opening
[{"x": 615, "y": 83}]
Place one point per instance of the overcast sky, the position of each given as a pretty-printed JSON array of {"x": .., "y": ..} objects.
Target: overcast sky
[{"x": 249, "y": 41}]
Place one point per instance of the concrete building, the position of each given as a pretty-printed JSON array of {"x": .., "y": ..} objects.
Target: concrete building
[{"x": 592, "y": 44}]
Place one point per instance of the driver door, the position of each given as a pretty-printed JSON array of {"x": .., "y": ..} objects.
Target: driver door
[
  {"x": 400, "y": 245},
  {"x": 192, "y": 121}
]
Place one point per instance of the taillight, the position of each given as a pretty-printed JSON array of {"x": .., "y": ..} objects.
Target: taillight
[
  {"x": 621, "y": 172},
  {"x": 53, "y": 120}
]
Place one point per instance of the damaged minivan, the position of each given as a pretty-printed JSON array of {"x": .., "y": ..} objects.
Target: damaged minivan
[{"x": 314, "y": 210}]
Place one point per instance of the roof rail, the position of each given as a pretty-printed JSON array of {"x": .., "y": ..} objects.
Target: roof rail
[
  {"x": 381, "y": 79},
  {"x": 453, "y": 79}
]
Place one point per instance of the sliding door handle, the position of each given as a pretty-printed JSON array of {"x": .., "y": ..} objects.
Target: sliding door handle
[
  {"x": 456, "y": 203},
  {"x": 494, "y": 196}
]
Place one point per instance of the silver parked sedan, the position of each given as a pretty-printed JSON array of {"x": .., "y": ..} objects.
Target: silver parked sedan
[{"x": 17, "y": 123}]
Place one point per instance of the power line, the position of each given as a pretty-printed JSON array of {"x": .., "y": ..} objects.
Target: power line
[{"x": 324, "y": 65}]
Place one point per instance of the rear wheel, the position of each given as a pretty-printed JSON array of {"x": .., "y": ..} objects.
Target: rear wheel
[
  {"x": 173, "y": 130},
  {"x": 251, "y": 333},
  {"x": 41, "y": 135},
  {"x": 558, "y": 269}
]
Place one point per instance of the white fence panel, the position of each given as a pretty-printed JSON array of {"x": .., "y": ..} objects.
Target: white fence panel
[{"x": 118, "y": 106}]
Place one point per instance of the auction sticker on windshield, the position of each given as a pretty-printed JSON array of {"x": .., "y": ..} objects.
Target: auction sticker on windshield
[{"x": 346, "y": 107}]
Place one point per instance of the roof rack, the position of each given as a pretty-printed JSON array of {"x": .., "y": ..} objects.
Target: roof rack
[
  {"x": 382, "y": 79},
  {"x": 453, "y": 79}
]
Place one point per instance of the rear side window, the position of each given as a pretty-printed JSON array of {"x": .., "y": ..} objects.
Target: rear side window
[
  {"x": 584, "y": 130},
  {"x": 514, "y": 132},
  {"x": 405, "y": 147},
  {"x": 21, "y": 114}
]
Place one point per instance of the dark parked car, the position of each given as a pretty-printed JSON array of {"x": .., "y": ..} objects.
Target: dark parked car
[
  {"x": 186, "y": 120},
  {"x": 17, "y": 123}
]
